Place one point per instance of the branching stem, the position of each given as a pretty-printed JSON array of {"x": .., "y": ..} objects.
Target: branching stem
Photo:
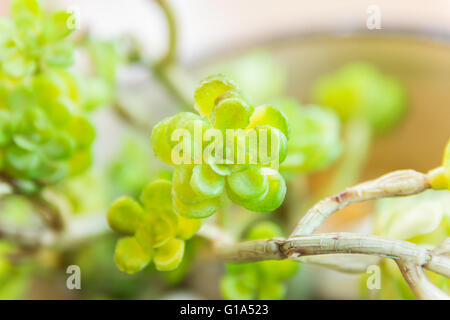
[{"x": 410, "y": 257}]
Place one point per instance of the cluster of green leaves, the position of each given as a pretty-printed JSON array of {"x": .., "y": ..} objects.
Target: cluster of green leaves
[
  {"x": 360, "y": 90},
  {"x": 155, "y": 231},
  {"x": 258, "y": 280},
  {"x": 423, "y": 219},
  {"x": 203, "y": 176},
  {"x": 45, "y": 133},
  {"x": 314, "y": 138},
  {"x": 32, "y": 40}
]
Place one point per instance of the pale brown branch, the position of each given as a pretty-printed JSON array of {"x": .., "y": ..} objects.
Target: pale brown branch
[
  {"x": 443, "y": 247},
  {"x": 422, "y": 288},
  {"x": 398, "y": 183},
  {"x": 334, "y": 243},
  {"x": 439, "y": 264},
  {"x": 255, "y": 250},
  {"x": 347, "y": 263}
]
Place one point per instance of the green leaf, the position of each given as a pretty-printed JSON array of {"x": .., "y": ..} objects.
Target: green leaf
[
  {"x": 272, "y": 146},
  {"x": 130, "y": 257},
  {"x": 17, "y": 65},
  {"x": 231, "y": 112},
  {"x": 59, "y": 25},
  {"x": 83, "y": 131},
  {"x": 80, "y": 162},
  {"x": 125, "y": 215},
  {"x": 274, "y": 196},
  {"x": 209, "y": 90},
  {"x": 60, "y": 55},
  {"x": 19, "y": 8},
  {"x": 21, "y": 98},
  {"x": 169, "y": 256},
  {"x": 198, "y": 210},
  {"x": 49, "y": 86},
  {"x": 206, "y": 182},
  {"x": 22, "y": 160},
  {"x": 181, "y": 185},
  {"x": 157, "y": 195},
  {"x": 59, "y": 111},
  {"x": 187, "y": 227},
  {"x": 268, "y": 115},
  {"x": 156, "y": 231},
  {"x": 178, "y": 121},
  {"x": 60, "y": 146},
  {"x": 251, "y": 184},
  {"x": 159, "y": 141}
]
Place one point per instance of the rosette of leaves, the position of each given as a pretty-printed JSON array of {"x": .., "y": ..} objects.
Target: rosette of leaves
[
  {"x": 263, "y": 280},
  {"x": 154, "y": 231},
  {"x": 45, "y": 133},
  {"x": 423, "y": 219},
  {"x": 32, "y": 40},
  {"x": 206, "y": 171},
  {"x": 314, "y": 141},
  {"x": 359, "y": 90}
]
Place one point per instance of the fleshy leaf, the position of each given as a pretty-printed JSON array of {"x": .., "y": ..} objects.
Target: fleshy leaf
[
  {"x": 178, "y": 121},
  {"x": 156, "y": 231},
  {"x": 206, "y": 182},
  {"x": 249, "y": 184},
  {"x": 59, "y": 25},
  {"x": 187, "y": 227},
  {"x": 130, "y": 257},
  {"x": 271, "y": 116},
  {"x": 169, "y": 256},
  {"x": 209, "y": 90},
  {"x": 157, "y": 195},
  {"x": 231, "y": 113},
  {"x": 272, "y": 145},
  {"x": 83, "y": 131},
  {"x": 125, "y": 215},
  {"x": 273, "y": 198},
  {"x": 198, "y": 210},
  {"x": 181, "y": 185},
  {"x": 159, "y": 141}
]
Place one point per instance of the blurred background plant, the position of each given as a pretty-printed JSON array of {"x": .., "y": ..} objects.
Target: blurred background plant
[{"x": 76, "y": 112}]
